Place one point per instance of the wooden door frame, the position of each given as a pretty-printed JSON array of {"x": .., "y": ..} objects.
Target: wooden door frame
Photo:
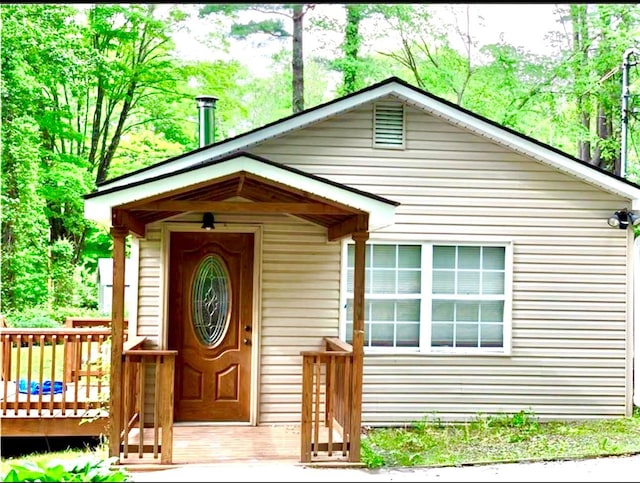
[{"x": 170, "y": 227}]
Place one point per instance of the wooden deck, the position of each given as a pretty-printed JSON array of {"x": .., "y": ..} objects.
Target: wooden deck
[{"x": 206, "y": 444}]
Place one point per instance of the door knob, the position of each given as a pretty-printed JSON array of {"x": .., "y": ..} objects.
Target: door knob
[
  {"x": 247, "y": 328},
  {"x": 246, "y": 341}
]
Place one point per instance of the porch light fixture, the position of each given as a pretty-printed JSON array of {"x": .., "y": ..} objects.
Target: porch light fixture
[
  {"x": 208, "y": 221},
  {"x": 623, "y": 218}
]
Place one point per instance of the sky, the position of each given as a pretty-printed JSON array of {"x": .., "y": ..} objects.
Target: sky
[{"x": 519, "y": 24}]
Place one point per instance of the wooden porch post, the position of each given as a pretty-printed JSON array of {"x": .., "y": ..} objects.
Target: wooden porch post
[
  {"x": 360, "y": 240},
  {"x": 119, "y": 235}
]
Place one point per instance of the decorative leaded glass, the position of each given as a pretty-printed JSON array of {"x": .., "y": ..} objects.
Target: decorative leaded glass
[{"x": 211, "y": 301}]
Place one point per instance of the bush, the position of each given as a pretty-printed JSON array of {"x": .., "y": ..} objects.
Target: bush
[
  {"x": 42, "y": 317},
  {"x": 80, "y": 469}
]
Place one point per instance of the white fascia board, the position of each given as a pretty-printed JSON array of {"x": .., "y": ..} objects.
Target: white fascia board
[
  {"x": 243, "y": 142},
  {"x": 98, "y": 208},
  {"x": 521, "y": 145}
]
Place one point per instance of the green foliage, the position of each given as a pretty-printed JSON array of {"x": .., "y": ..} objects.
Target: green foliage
[
  {"x": 24, "y": 226},
  {"x": 62, "y": 270},
  {"x": 80, "y": 469},
  {"x": 43, "y": 316},
  {"x": 498, "y": 438}
]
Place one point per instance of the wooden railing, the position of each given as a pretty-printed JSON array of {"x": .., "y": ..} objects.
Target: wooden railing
[
  {"x": 326, "y": 409},
  {"x": 54, "y": 370},
  {"x": 138, "y": 365}
]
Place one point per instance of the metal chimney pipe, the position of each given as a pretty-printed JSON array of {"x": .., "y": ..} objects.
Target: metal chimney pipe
[{"x": 206, "y": 119}]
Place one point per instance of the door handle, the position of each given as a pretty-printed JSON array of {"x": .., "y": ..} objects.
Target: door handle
[
  {"x": 246, "y": 341},
  {"x": 247, "y": 328}
]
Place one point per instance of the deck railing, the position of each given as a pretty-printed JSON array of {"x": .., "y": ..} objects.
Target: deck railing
[
  {"x": 54, "y": 371},
  {"x": 139, "y": 365},
  {"x": 326, "y": 408}
]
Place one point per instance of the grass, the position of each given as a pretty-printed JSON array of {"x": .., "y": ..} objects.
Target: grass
[
  {"x": 47, "y": 356},
  {"x": 499, "y": 439},
  {"x": 100, "y": 451}
]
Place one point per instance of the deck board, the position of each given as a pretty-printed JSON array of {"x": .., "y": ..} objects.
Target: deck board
[{"x": 205, "y": 444}]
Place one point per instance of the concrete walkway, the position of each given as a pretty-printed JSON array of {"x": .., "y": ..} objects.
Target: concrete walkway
[{"x": 611, "y": 469}]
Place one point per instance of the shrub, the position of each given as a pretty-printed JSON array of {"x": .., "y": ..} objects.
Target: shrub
[{"x": 80, "y": 469}]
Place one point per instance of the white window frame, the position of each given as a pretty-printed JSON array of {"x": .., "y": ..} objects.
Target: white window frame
[{"x": 426, "y": 299}]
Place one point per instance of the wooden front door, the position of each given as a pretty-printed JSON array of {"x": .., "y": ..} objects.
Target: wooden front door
[{"x": 210, "y": 324}]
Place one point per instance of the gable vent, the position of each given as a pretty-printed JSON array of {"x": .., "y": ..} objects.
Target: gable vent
[{"x": 388, "y": 128}]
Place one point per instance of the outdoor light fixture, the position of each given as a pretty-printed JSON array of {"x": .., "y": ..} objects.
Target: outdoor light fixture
[
  {"x": 208, "y": 220},
  {"x": 623, "y": 218}
]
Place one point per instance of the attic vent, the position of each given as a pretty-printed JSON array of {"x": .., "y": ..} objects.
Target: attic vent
[{"x": 388, "y": 127}]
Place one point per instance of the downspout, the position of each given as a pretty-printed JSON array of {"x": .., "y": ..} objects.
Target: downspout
[
  {"x": 206, "y": 120},
  {"x": 635, "y": 350}
]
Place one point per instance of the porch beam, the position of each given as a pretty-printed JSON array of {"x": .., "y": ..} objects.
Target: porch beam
[
  {"x": 243, "y": 207},
  {"x": 119, "y": 235},
  {"x": 360, "y": 239},
  {"x": 124, "y": 219},
  {"x": 355, "y": 224}
]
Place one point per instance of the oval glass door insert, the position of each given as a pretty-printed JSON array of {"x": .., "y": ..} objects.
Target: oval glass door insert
[{"x": 211, "y": 301}]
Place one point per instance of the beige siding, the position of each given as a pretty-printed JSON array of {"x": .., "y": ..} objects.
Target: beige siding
[
  {"x": 569, "y": 315},
  {"x": 569, "y": 309},
  {"x": 299, "y": 290}
]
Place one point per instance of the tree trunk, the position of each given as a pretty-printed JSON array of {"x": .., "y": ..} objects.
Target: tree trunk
[{"x": 297, "y": 62}]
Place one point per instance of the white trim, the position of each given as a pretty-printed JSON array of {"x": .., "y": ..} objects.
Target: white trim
[
  {"x": 425, "y": 311},
  {"x": 99, "y": 208},
  {"x": 382, "y": 145},
  {"x": 256, "y": 325},
  {"x": 433, "y": 106},
  {"x": 134, "y": 268}
]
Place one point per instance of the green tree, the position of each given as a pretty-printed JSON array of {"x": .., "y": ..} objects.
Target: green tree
[{"x": 275, "y": 28}]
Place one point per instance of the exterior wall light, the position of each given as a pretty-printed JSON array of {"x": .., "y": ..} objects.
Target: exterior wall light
[
  {"x": 208, "y": 221},
  {"x": 623, "y": 218}
]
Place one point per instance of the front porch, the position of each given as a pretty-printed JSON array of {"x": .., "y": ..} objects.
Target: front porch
[{"x": 206, "y": 444}]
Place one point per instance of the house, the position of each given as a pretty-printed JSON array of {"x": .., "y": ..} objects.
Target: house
[
  {"x": 471, "y": 268},
  {"x": 105, "y": 283}
]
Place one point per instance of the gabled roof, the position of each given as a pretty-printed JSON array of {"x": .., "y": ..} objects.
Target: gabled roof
[
  {"x": 243, "y": 175},
  {"x": 417, "y": 98}
]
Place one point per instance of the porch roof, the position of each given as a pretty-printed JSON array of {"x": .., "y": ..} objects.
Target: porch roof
[{"x": 266, "y": 187}]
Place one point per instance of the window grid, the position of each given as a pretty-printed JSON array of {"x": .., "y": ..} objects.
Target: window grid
[
  {"x": 372, "y": 271},
  {"x": 496, "y": 329}
]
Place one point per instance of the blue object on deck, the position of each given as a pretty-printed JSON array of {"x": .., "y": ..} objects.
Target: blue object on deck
[{"x": 48, "y": 387}]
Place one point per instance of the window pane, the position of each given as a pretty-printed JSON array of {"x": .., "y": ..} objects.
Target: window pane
[
  {"x": 442, "y": 335},
  {"x": 351, "y": 250},
  {"x": 409, "y": 256},
  {"x": 350, "y": 280},
  {"x": 467, "y": 311},
  {"x": 407, "y": 335},
  {"x": 468, "y": 283},
  {"x": 383, "y": 281},
  {"x": 491, "y": 335},
  {"x": 442, "y": 311},
  {"x": 493, "y": 282},
  {"x": 408, "y": 310},
  {"x": 382, "y": 310},
  {"x": 350, "y": 310},
  {"x": 466, "y": 335},
  {"x": 468, "y": 257},
  {"x": 382, "y": 335},
  {"x": 443, "y": 282},
  {"x": 367, "y": 280},
  {"x": 349, "y": 334},
  {"x": 409, "y": 281},
  {"x": 492, "y": 311},
  {"x": 444, "y": 257},
  {"x": 384, "y": 256},
  {"x": 493, "y": 258}
]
